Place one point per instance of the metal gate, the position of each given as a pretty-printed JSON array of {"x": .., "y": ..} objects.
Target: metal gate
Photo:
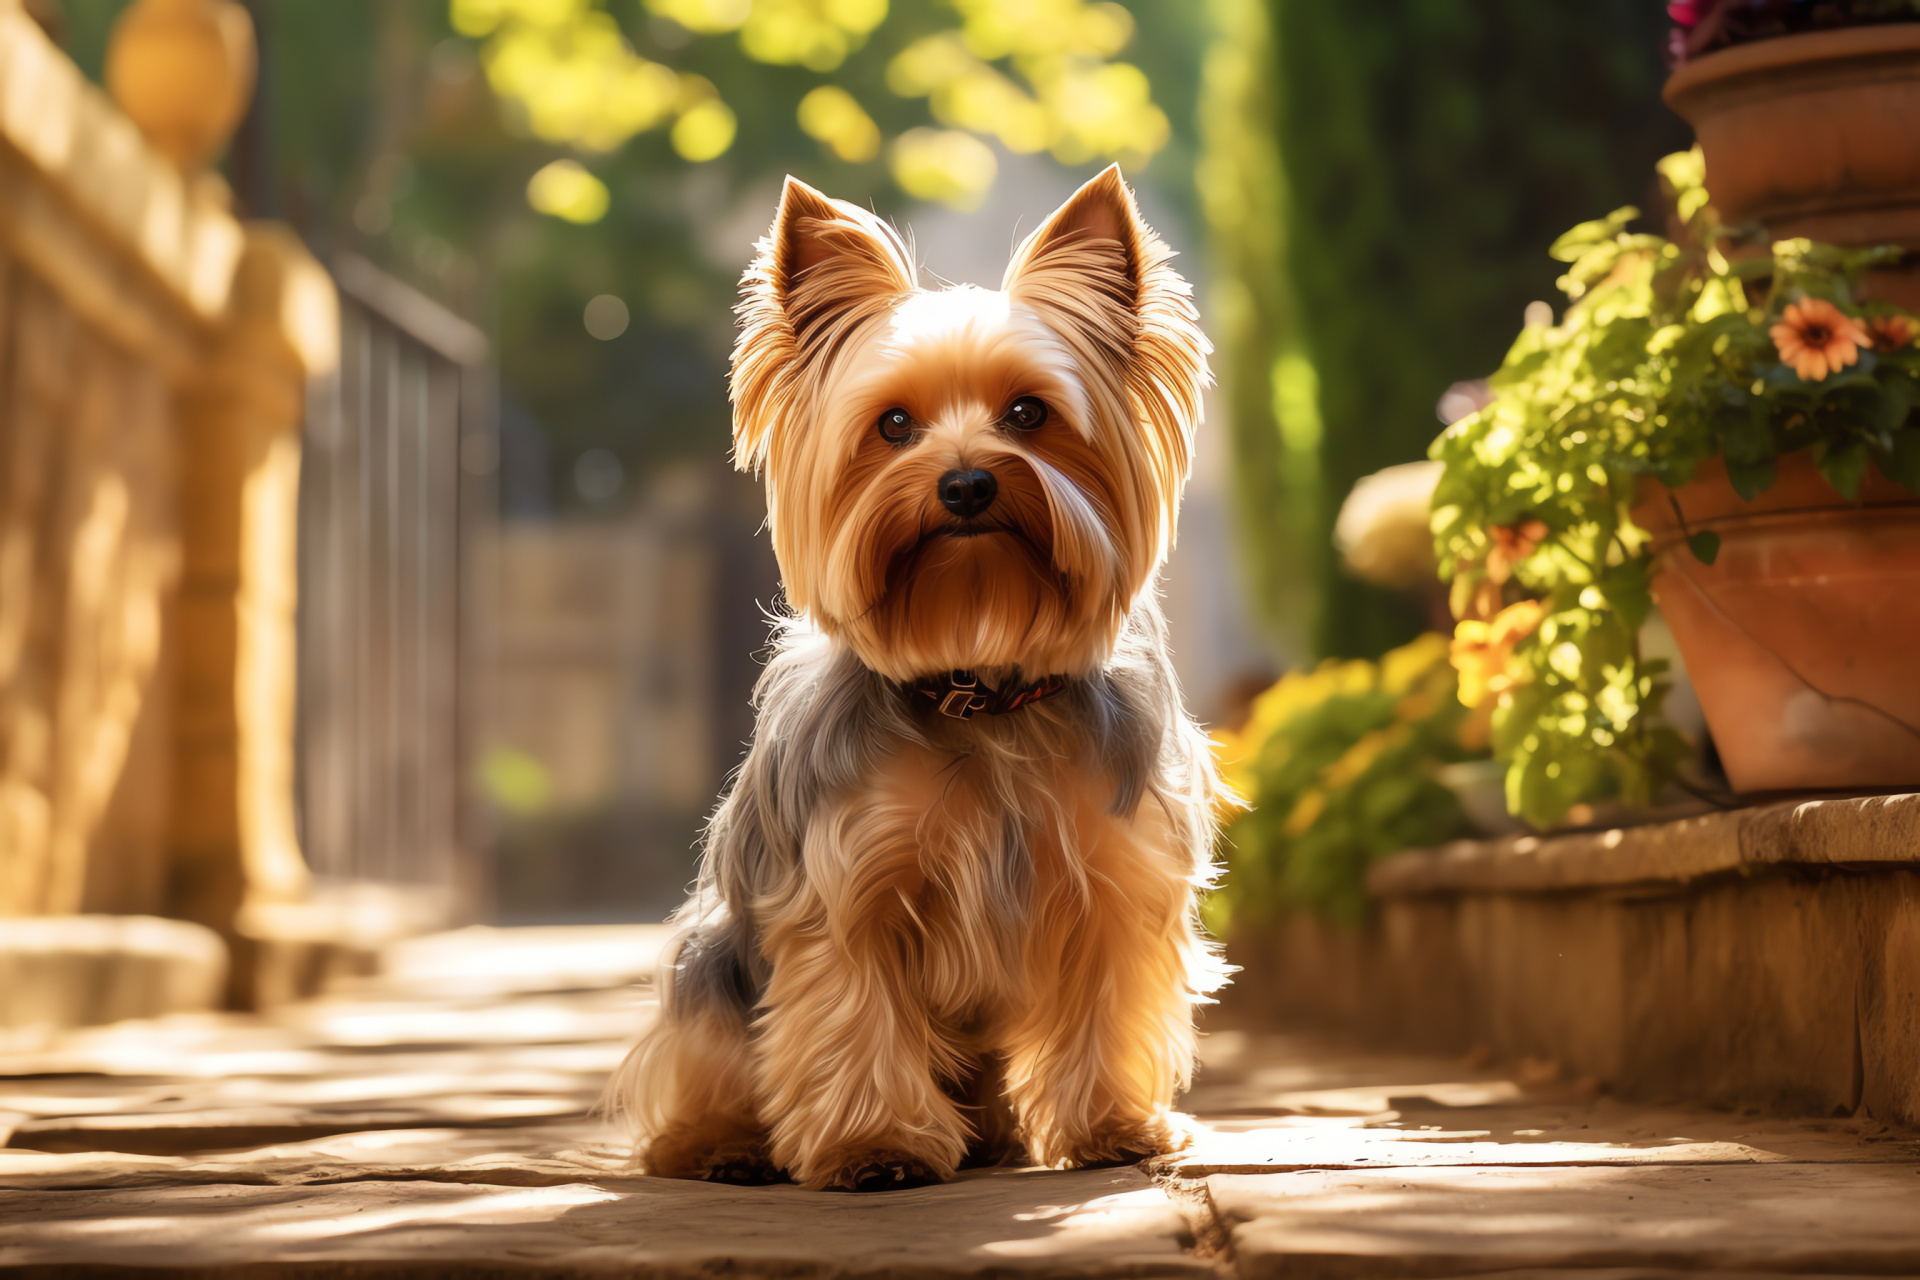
[{"x": 387, "y": 511}]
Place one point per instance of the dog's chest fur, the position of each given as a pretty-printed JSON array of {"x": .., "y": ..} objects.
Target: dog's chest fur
[
  {"x": 981, "y": 833},
  {"x": 860, "y": 807}
]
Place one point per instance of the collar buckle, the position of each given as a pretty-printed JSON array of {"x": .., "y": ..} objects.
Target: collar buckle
[
  {"x": 962, "y": 697},
  {"x": 958, "y": 694},
  {"x": 959, "y": 704}
]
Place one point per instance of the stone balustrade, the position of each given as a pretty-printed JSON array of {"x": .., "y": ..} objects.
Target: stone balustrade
[{"x": 154, "y": 358}]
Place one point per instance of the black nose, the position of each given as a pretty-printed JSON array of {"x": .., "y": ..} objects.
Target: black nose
[{"x": 968, "y": 493}]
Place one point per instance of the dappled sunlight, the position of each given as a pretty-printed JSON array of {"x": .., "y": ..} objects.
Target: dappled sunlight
[
  {"x": 476, "y": 1207},
  {"x": 1105, "y": 1221},
  {"x": 375, "y": 1024}
]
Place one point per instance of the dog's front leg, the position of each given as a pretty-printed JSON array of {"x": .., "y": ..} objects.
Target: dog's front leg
[
  {"x": 1113, "y": 965},
  {"x": 844, "y": 1048}
]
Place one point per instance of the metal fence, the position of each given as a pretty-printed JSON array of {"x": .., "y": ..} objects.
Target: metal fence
[{"x": 387, "y": 513}]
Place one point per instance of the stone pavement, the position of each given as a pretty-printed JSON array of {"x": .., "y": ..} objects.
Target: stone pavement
[{"x": 435, "y": 1122}]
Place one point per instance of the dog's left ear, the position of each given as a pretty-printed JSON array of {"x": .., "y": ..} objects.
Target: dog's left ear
[
  {"x": 1101, "y": 279},
  {"x": 822, "y": 268}
]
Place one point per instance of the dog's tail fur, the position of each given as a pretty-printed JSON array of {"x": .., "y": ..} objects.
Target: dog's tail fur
[{"x": 692, "y": 1059}]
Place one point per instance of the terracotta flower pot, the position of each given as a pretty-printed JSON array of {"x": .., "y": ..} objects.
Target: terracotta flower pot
[
  {"x": 1803, "y": 637},
  {"x": 1815, "y": 135}
]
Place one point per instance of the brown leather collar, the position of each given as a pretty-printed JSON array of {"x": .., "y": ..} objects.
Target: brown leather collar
[{"x": 960, "y": 694}]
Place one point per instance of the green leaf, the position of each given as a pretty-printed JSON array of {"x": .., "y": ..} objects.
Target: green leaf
[
  {"x": 1749, "y": 433},
  {"x": 1705, "y": 546},
  {"x": 1781, "y": 377},
  {"x": 1896, "y": 402},
  {"x": 1575, "y": 243},
  {"x": 1626, "y": 589},
  {"x": 1903, "y": 462},
  {"x": 1543, "y": 787},
  {"x": 1845, "y": 466},
  {"x": 1751, "y": 479}
]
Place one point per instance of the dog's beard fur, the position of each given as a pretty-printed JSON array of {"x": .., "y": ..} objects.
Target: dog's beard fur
[{"x": 911, "y": 935}]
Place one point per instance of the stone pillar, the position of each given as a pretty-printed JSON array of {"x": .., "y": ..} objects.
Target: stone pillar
[
  {"x": 234, "y": 843},
  {"x": 184, "y": 70}
]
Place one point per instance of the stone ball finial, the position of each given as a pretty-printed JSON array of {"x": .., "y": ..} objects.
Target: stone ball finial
[{"x": 183, "y": 70}]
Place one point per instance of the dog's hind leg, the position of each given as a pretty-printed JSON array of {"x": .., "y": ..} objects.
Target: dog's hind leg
[{"x": 686, "y": 1090}]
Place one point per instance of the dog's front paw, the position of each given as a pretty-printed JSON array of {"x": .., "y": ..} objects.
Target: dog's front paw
[
  {"x": 701, "y": 1155},
  {"x": 1160, "y": 1135},
  {"x": 739, "y": 1164},
  {"x": 883, "y": 1171}
]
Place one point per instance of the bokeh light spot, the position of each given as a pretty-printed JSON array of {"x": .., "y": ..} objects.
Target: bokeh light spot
[
  {"x": 815, "y": 34},
  {"x": 1076, "y": 104},
  {"x": 708, "y": 17},
  {"x": 515, "y": 781},
  {"x": 606, "y": 317},
  {"x": 598, "y": 475},
  {"x": 830, "y": 114},
  {"x": 704, "y": 131},
  {"x": 947, "y": 165},
  {"x": 564, "y": 189}
]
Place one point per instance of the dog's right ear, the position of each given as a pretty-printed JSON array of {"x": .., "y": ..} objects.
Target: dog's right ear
[{"x": 823, "y": 268}]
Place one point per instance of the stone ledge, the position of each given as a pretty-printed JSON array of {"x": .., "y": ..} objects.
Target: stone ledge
[
  {"x": 1858, "y": 831},
  {"x": 74, "y": 971},
  {"x": 1671, "y": 961}
]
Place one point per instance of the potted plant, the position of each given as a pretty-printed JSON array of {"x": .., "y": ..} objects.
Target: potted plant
[
  {"x": 1806, "y": 112},
  {"x": 1732, "y": 436}
]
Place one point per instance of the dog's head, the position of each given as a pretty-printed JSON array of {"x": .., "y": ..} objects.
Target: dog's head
[{"x": 968, "y": 479}]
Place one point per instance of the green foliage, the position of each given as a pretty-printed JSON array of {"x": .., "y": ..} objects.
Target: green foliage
[
  {"x": 1421, "y": 145},
  {"x": 1336, "y": 765},
  {"x": 1666, "y": 357},
  {"x": 1275, "y": 440},
  {"x": 1035, "y": 74}
]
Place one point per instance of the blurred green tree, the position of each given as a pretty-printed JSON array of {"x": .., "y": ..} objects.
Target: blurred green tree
[
  {"x": 1381, "y": 181},
  {"x": 520, "y": 158}
]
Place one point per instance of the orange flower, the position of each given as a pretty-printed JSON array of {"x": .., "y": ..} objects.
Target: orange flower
[
  {"x": 1818, "y": 338},
  {"x": 1890, "y": 333},
  {"x": 1482, "y": 652},
  {"x": 1511, "y": 545}
]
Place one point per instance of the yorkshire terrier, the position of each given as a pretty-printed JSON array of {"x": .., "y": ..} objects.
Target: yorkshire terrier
[{"x": 947, "y": 910}]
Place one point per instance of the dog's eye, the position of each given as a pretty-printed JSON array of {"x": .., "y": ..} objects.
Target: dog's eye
[
  {"x": 896, "y": 426},
  {"x": 1026, "y": 413}
]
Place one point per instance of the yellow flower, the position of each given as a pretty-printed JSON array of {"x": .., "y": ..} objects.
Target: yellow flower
[
  {"x": 1483, "y": 651},
  {"x": 1818, "y": 338}
]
